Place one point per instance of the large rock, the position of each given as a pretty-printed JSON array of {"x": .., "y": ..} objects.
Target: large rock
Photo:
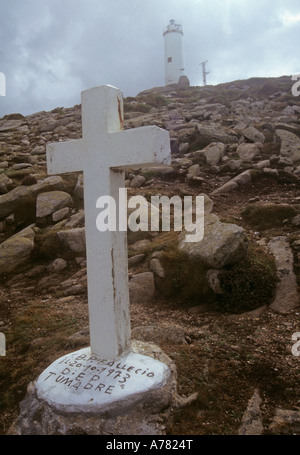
[
  {"x": 252, "y": 419},
  {"x": 222, "y": 244},
  {"x": 290, "y": 145},
  {"x": 212, "y": 154},
  {"x": 159, "y": 334},
  {"x": 5, "y": 182},
  {"x": 137, "y": 181},
  {"x": 157, "y": 268},
  {"x": 252, "y": 134},
  {"x": 17, "y": 249},
  {"x": 143, "y": 408},
  {"x": 73, "y": 239},
  {"x": 51, "y": 201},
  {"x": 285, "y": 421},
  {"x": 226, "y": 188},
  {"x": 213, "y": 133},
  {"x": 142, "y": 288},
  {"x": 9, "y": 125},
  {"x": 79, "y": 188},
  {"x": 11, "y": 201},
  {"x": 183, "y": 81},
  {"x": 159, "y": 170},
  {"x": 287, "y": 298},
  {"x": 194, "y": 170},
  {"x": 241, "y": 179},
  {"x": 247, "y": 151}
]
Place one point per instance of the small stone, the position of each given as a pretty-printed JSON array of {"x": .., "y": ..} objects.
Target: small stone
[
  {"x": 198, "y": 309},
  {"x": 287, "y": 298},
  {"x": 74, "y": 239},
  {"x": 136, "y": 259},
  {"x": 19, "y": 166},
  {"x": 29, "y": 180},
  {"x": 137, "y": 181},
  {"x": 194, "y": 170},
  {"x": 57, "y": 265},
  {"x": 214, "y": 152},
  {"x": 253, "y": 134},
  {"x": 5, "y": 183},
  {"x": 244, "y": 178},
  {"x": 183, "y": 147},
  {"x": 35, "y": 271},
  {"x": 10, "y": 219},
  {"x": 76, "y": 289},
  {"x": 227, "y": 187},
  {"x": 38, "y": 150},
  {"x": 262, "y": 164},
  {"x": 213, "y": 278},
  {"x": 252, "y": 420},
  {"x": 254, "y": 199},
  {"x": 157, "y": 254},
  {"x": 286, "y": 422},
  {"x": 296, "y": 220},
  {"x": 270, "y": 171},
  {"x": 157, "y": 334},
  {"x": 61, "y": 214},
  {"x": 78, "y": 191},
  {"x": 157, "y": 268},
  {"x": 141, "y": 244}
]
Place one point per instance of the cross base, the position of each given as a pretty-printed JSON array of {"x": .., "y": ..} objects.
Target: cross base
[
  {"x": 82, "y": 382},
  {"x": 82, "y": 394}
]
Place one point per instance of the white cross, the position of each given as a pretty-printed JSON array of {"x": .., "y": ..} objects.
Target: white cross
[{"x": 102, "y": 150}]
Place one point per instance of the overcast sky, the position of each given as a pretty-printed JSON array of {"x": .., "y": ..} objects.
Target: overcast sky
[{"x": 51, "y": 50}]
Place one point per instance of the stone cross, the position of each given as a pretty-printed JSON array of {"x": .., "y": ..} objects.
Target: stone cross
[{"x": 101, "y": 153}]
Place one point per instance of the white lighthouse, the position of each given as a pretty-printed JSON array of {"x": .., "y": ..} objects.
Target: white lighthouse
[{"x": 174, "y": 63}]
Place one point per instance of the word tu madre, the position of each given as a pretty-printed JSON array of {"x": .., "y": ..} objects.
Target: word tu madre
[{"x": 186, "y": 213}]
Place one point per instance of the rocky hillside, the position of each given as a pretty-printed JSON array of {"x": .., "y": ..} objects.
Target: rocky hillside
[{"x": 238, "y": 145}]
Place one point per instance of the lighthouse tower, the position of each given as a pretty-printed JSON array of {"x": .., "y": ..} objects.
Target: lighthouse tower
[{"x": 174, "y": 64}]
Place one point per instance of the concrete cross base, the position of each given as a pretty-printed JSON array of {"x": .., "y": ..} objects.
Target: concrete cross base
[{"x": 82, "y": 394}]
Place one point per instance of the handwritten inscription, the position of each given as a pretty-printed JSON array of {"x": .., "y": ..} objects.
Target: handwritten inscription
[
  {"x": 83, "y": 382},
  {"x": 91, "y": 373}
]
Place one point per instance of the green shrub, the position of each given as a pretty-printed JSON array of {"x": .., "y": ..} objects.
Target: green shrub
[
  {"x": 47, "y": 244},
  {"x": 139, "y": 107},
  {"x": 25, "y": 213},
  {"x": 248, "y": 284},
  {"x": 185, "y": 278},
  {"x": 266, "y": 216},
  {"x": 155, "y": 100}
]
